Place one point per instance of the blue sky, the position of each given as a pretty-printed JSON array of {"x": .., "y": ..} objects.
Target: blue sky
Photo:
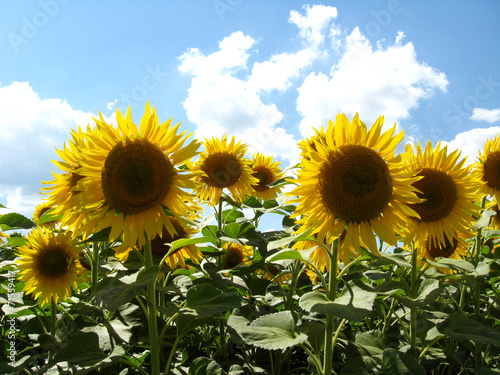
[{"x": 264, "y": 71}]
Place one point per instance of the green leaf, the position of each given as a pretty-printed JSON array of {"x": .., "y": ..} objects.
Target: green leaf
[
  {"x": 464, "y": 328},
  {"x": 455, "y": 264},
  {"x": 207, "y": 300},
  {"x": 101, "y": 236},
  {"x": 111, "y": 293},
  {"x": 352, "y": 369},
  {"x": 230, "y": 216},
  {"x": 48, "y": 216},
  {"x": 205, "y": 366},
  {"x": 17, "y": 241},
  {"x": 355, "y": 303},
  {"x": 272, "y": 331},
  {"x": 15, "y": 221},
  {"x": 82, "y": 350},
  {"x": 290, "y": 254},
  {"x": 282, "y": 242},
  {"x": 484, "y": 220},
  {"x": 177, "y": 244},
  {"x": 232, "y": 229},
  {"x": 398, "y": 363}
]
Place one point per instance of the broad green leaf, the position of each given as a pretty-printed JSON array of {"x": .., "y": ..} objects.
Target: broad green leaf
[
  {"x": 190, "y": 241},
  {"x": 205, "y": 366},
  {"x": 48, "y": 216},
  {"x": 230, "y": 216},
  {"x": 455, "y": 264},
  {"x": 101, "y": 236},
  {"x": 207, "y": 300},
  {"x": 290, "y": 254},
  {"x": 272, "y": 331},
  {"x": 17, "y": 241},
  {"x": 13, "y": 221},
  {"x": 82, "y": 350},
  {"x": 355, "y": 303},
  {"x": 288, "y": 240},
  {"x": 232, "y": 229},
  {"x": 464, "y": 328},
  {"x": 352, "y": 369},
  {"x": 397, "y": 363},
  {"x": 484, "y": 220}
]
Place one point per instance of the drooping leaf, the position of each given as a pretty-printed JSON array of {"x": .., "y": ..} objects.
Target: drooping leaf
[
  {"x": 14, "y": 220},
  {"x": 207, "y": 300},
  {"x": 282, "y": 242},
  {"x": 82, "y": 350},
  {"x": 272, "y": 331},
  {"x": 205, "y": 366},
  {"x": 355, "y": 303},
  {"x": 177, "y": 244},
  {"x": 398, "y": 363},
  {"x": 473, "y": 328}
]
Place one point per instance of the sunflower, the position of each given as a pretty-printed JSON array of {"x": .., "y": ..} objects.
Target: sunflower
[
  {"x": 39, "y": 211},
  {"x": 2, "y": 236},
  {"x": 236, "y": 255},
  {"x": 222, "y": 166},
  {"x": 49, "y": 265},
  {"x": 354, "y": 183},
  {"x": 456, "y": 248},
  {"x": 448, "y": 190},
  {"x": 130, "y": 176},
  {"x": 266, "y": 171},
  {"x": 488, "y": 168},
  {"x": 273, "y": 273},
  {"x": 61, "y": 193},
  {"x": 307, "y": 143},
  {"x": 160, "y": 245}
]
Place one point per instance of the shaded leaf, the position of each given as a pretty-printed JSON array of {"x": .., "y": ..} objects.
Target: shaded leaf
[
  {"x": 207, "y": 300},
  {"x": 473, "y": 328},
  {"x": 13, "y": 220},
  {"x": 398, "y": 363}
]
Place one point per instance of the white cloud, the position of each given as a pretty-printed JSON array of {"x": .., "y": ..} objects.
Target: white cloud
[
  {"x": 472, "y": 141},
  {"x": 30, "y": 129},
  {"x": 223, "y": 99},
  {"x": 488, "y": 115},
  {"x": 383, "y": 81}
]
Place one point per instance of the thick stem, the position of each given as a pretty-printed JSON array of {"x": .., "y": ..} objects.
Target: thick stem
[
  {"x": 331, "y": 290},
  {"x": 413, "y": 295},
  {"x": 152, "y": 314},
  {"x": 95, "y": 265}
]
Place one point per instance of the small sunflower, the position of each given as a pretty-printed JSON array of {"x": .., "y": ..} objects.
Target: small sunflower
[
  {"x": 354, "y": 183},
  {"x": 488, "y": 168},
  {"x": 39, "y": 211},
  {"x": 160, "y": 246},
  {"x": 236, "y": 255},
  {"x": 273, "y": 273},
  {"x": 447, "y": 189},
  {"x": 49, "y": 265},
  {"x": 61, "y": 193},
  {"x": 223, "y": 166},
  {"x": 308, "y": 143},
  {"x": 130, "y": 175},
  {"x": 456, "y": 248},
  {"x": 266, "y": 171}
]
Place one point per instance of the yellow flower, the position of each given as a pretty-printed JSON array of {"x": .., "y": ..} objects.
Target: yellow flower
[
  {"x": 272, "y": 273},
  {"x": 49, "y": 265},
  {"x": 456, "y": 248},
  {"x": 237, "y": 255},
  {"x": 222, "y": 166},
  {"x": 131, "y": 175},
  {"x": 488, "y": 168},
  {"x": 266, "y": 171},
  {"x": 39, "y": 211},
  {"x": 354, "y": 183},
  {"x": 61, "y": 193},
  {"x": 160, "y": 245},
  {"x": 448, "y": 190}
]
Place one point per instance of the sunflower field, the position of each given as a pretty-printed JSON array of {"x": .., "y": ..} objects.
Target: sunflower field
[{"x": 146, "y": 257}]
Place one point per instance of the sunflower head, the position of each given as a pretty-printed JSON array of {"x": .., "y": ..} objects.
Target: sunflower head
[
  {"x": 488, "y": 168},
  {"x": 236, "y": 255},
  {"x": 447, "y": 190},
  {"x": 266, "y": 171},
  {"x": 130, "y": 175},
  {"x": 49, "y": 265},
  {"x": 223, "y": 166},
  {"x": 273, "y": 273},
  {"x": 39, "y": 211},
  {"x": 352, "y": 182}
]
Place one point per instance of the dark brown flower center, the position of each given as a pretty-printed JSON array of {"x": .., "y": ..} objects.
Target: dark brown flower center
[
  {"x": 233, "y": 257},
  {"x": 159, "y": 244},
  {"x": 436, "y": 249},
  {"x": 492, "y": 170},
  {"x": 440, "y": 194},
  {"x": 223, "y": 170},
  {"x": 265, "y": 177},
  {"x": 53, "y": 263},
  {"x": 136, "y": 176},
  {"x": 355, "y": 183}
]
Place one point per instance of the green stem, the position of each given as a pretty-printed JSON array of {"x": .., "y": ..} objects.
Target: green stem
[
  {"x": 152, "y": 313},
  {"x": 95, "y": 265},
  {"x": 313, "y": 357},
  {"x": 331, "y": 290},
  {"x": 171, "y": 355},
  {"x": 53, "y": 309},
  {"x": 413, "y": 295},
  {"x": 131, "y": 364}
]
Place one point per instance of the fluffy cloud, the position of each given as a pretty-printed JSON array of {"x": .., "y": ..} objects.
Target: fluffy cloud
[
  {"x": 372, "y": 81},
  {"x": 225, "y": 95},
  {"x": 30, "y": 129},
  {"x": 488, "y": 115},
  {"x": 472, "y": 141}
]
